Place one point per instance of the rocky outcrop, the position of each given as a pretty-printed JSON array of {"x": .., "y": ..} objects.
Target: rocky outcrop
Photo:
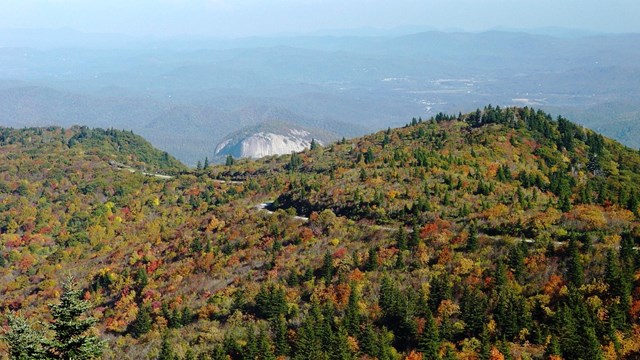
[{"x": 267, "y": 140}]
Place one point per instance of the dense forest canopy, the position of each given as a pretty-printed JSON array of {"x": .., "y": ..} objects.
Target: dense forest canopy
[{"x": 499, "y": 234}]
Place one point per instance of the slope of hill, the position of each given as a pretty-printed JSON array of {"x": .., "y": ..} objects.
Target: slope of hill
[{"x": 497, "y": 234}]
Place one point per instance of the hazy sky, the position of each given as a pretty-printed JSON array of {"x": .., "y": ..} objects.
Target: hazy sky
[{"x": 233, "y": 18}]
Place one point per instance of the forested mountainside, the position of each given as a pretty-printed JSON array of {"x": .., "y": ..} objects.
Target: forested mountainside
[{"x": 499, "y": 234}]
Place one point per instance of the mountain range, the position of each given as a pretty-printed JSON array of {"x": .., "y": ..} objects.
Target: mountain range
[{"x": 185, "y": 97}]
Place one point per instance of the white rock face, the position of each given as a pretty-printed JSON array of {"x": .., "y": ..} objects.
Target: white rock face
[{"x": 263, "y": 144}]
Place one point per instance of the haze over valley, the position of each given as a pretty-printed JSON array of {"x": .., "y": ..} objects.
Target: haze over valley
[{"x": 186, "y": 95}]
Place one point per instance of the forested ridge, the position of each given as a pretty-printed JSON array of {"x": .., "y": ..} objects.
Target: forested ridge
[{"x": 499, "y": 234}]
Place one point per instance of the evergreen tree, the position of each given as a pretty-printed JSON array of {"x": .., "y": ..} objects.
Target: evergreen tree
[
  {"x": 141, "y": 279},
  {"x": 473, "y": 308},
  {"x": 309, "y": 343},
  {"x": 218, "y": 353},
  {"x": 294, "y": 161},
  {"x": 441, "y": 289},
  {"x": 352, "y": 317},
  {"x": 472, "y": 241},
  {"x": 429, "y": 340},
  {"x": 485, "y": 345},
  {"x": 368, "y": 156},
  {"x": 414, "y": 238},
  {"x": 270, "y": 302},
  {"x": 503, "y": 347},
  {"x": 166, "y": 350},
  {"x": 250, "y": 350},
  {"x": 279, "y": 331},
  {"x": 449, "y": 354},
  {"x": 206, "y": 163},
  {"x": 399, "y": 261},
  {"x": 187, "y": 316},
  {"x": 24, "y": 342},
  {"x": 229, "y": 161},
  {"x": 500, "y": 274},
  {"x": 553, "y": 348},
  {"x": 340, "y": 349},
  {"x": 265, "y": 346},
  {"x": 401, "y": 239},
  {"x": 576, "y": 331},
  {"x": 72, "y": 339},
  {"x": 612, "y": 275},
  {"x": 372, "y": 260},
  {"x": 327, "y": 269},
  {"x": 142, "y": 323},
  {"x": 175, "y": 321}
]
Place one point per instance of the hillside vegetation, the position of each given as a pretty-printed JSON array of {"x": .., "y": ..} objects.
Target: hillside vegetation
[{"x": 499, "y": 234}]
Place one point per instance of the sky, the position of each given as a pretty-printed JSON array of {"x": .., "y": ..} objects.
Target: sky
[{"x": 238, "y": 18}]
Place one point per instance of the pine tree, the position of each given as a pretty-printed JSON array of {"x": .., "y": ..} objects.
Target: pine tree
[
  {"x": 229, "y": 161},
  {"x": 472, "y": 241},
  {"x": 612, "y": 276},
  {"x": 340, "y": 349},
  {"x": 429, "y": 340},
  {"x": 250, "y": 350},
  {"x": 24, "y": 342},
  {"x": 265, "y": 347},
  {"x": 218, "y": 353},
  {"x": 294, "y": 161},
  {"x": 485, "y": 345},
  {"x": 441, "y": 289},
  {"x": 206, "y": 163},
  {"x": 401, "y": 239},
  {"x": 187, "y": 316},
  {"x": 279, "y": 330},
  {"x": 352, "y": 317},
  {"x": 553, "y": 348},
  {"x": 500, "y": 274},
  {"x": 72, "y": 339},
  {"x": 399, "y": 261},
  {"x": 368, "y": 156},
  {"x": 309, "y": 344},
  {"x": 372, "y": 260},
  {"x": 473, "y": 308},
  {"x": 166, "y": 351},
  {"x": 142, "y": 323},
  {"x": 414, "y": 238},
  {"x": 449, "y": 354},
  {"x": 270, "y": 302},
  {"x": 141, "y": 279},
  {"x": 327, "y": 269},
  {"x": 175, "y": 321}
]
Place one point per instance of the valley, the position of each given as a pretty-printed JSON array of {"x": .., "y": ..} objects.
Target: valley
[{"x": 186, "y": 98}]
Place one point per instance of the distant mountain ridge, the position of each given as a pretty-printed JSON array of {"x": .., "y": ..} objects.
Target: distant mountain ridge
[{"x": 185, "y": 99}]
